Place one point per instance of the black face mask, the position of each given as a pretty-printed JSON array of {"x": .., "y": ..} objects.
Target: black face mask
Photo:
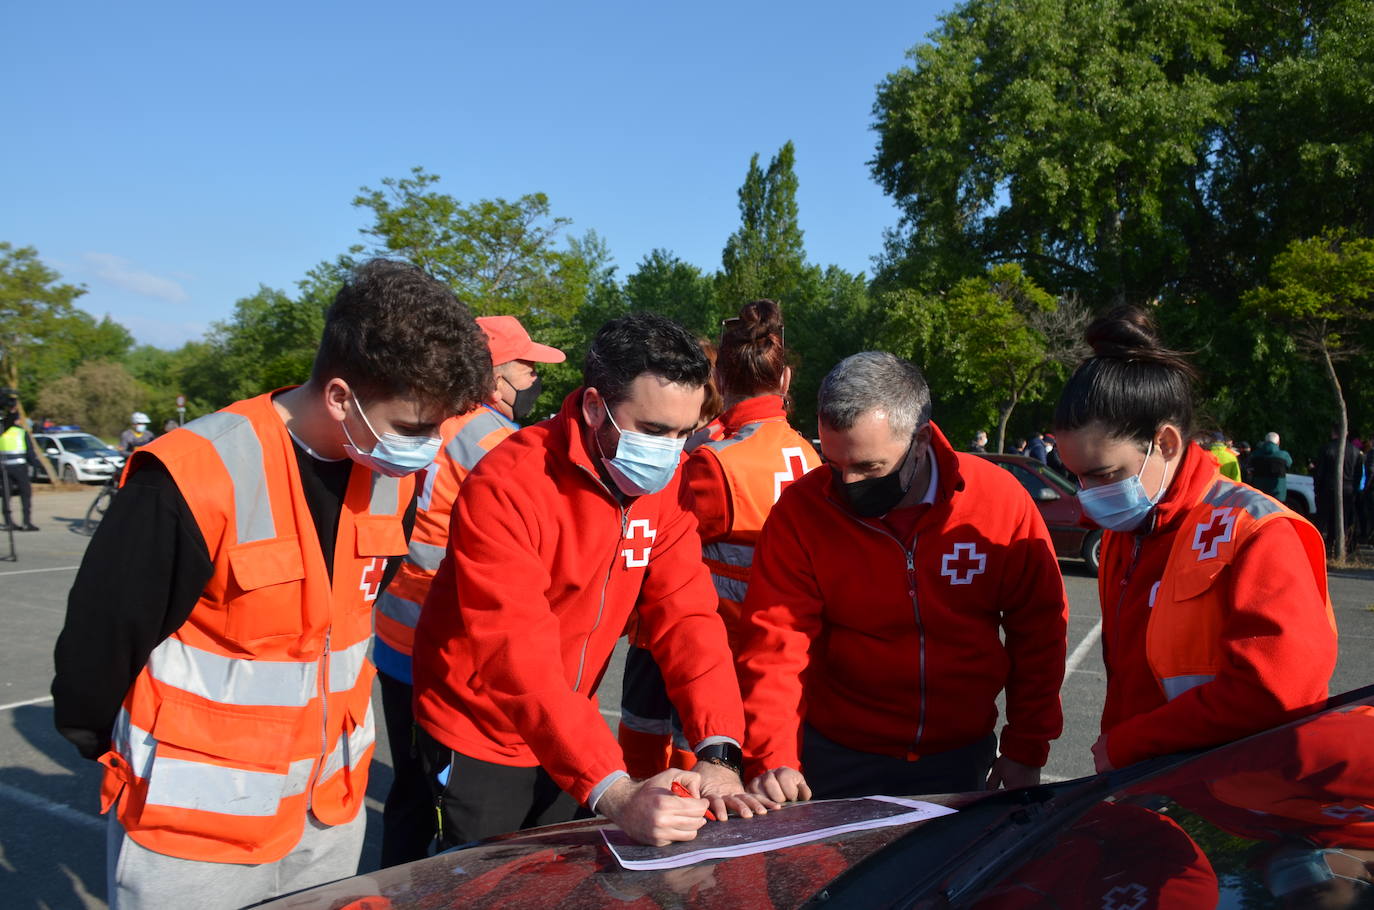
[
  {"x": 875, "y": 496},
  {"x": 525, "y": 398}
]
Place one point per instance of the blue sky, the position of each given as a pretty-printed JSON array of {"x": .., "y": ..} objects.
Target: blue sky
[{"x": 172, "y": 157}]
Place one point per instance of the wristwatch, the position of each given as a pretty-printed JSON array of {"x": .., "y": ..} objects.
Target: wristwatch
[{"x": 727, "y": 755}]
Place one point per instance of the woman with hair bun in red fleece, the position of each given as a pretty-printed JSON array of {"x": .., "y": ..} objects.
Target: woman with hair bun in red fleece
[{"x": 1215, "y": 617}]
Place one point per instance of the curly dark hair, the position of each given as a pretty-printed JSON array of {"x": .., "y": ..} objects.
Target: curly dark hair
[
  {"x": 393, "y": 330},
  {"x": 642, "y": 342}
]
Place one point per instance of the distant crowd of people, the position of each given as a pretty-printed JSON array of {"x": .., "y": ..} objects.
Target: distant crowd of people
[{"x": 1265, "y": 467}]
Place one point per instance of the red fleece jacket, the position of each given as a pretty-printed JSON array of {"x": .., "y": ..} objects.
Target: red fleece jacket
[
  {"x": 543, "y": 569},
  {"x": 1279, "y": 645},
  {"x": 893, "y": 647}
]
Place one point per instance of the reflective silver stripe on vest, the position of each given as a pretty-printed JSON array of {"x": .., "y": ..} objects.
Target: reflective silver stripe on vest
[
  {"x": 656, "y": 726},
  {"x": 135, "y": 744},
  {"x": 749, "y": 429},
  {"x": 1174, "y": 686},
  {"x": 182, "y": 784},
  {"x": 730, "y": 588},
  {"x": 425, "y": 556},
  {"x": 386, "y": 493},
  {"x": 1228, "y": 494},
  {"x": 346, "y": 664},
  {"x": 238, "y": 446},
  {"x": 405, "y": 612},
  {"x": 351, "y": 748},
  {"x": 732, "y": 554},
  {"x": 230, "y": 680},
  {"x": 465, "y": 449}
]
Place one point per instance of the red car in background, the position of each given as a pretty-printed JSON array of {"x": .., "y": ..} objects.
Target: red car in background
[{"x": 1057, "y": 498}]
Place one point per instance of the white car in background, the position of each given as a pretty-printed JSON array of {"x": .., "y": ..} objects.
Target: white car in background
[
  {"x": 1301, "y": 496},
  {"x": 77, "y": 457}
]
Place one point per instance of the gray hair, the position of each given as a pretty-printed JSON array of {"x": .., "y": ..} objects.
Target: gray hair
[
  {"x": 1272, "y": 437},
  {"x": 875, "y": 381}
]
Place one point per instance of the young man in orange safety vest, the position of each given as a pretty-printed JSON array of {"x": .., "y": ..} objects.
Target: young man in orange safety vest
[
  {"x": 408, "y": 820},
  {"x": 214, "y": 656}
]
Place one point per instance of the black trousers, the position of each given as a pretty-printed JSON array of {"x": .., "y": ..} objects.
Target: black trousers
[
  {"x": 836, "y": 772},
  {"x": 409, "y": 818},
  {"x": 479, "y": 799},
  {"x": 19, "y": 483}
]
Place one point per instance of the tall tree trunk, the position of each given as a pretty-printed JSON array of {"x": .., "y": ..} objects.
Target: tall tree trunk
[
  {"x": 1343, "y": 428},
  {"x": 1003, "y": 416}
]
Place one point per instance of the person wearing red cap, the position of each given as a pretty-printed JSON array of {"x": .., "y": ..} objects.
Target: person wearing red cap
[{"x": 408, "y": 815}]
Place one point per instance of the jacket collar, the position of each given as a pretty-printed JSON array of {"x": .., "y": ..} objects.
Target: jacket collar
[
  {"x": 751, "y": 410},
  {"x": 1195, "y": 476},
  {"x": 567, "y": 428},
  {"x": 949, "y": 479}
]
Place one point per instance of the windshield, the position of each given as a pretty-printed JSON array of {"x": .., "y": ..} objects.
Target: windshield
[
  {"x": 1282, "y": 819},
  {"x": 85, "y": 444}
]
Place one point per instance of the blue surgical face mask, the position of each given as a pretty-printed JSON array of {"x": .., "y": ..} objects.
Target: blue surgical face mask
[
  {"x": 1294, "y": 868},
  {"x": 394, "y": 455},
  {"x": 1123, "y": 505},
  {"x": 642, "y": 464}
]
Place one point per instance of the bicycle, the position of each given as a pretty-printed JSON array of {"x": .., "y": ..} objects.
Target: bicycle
[{"x": 101, "y": 502}]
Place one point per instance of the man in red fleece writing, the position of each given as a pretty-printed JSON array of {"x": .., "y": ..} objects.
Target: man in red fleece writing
[
  {"x": 882, "y": 589},
  {"x": 557, "y": 535}
]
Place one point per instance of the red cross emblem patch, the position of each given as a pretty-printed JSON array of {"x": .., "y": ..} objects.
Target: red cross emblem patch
[
  {"x": 1214, "y": 533},
  {"x": 373, "y": 573},
  {"x": 637, "y": 557},
  {"x": 1126, "y": 897},
  {"x": 964, "y": 563},
  {"x": 793, "y": 467}
]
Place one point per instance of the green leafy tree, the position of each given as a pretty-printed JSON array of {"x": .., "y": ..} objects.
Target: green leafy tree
[
  {"x": 500, "y": 257},
  {"x": 40, "y": 328},
  {"x": 99, "y": 396},
  {"x": 765, "y": 257},
  {"x": 1123, "y": 150},
  {"x": 1130, "y": 152},
  {"x": 269, "y": 342},
  {"x": 667, "y": 285},
  {"x": 999, "y": 338},
  {"x": 827, "y": 313},
  {"x": 1322, "y": 288}
]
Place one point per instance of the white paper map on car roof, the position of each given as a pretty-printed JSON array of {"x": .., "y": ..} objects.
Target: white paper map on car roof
[{"x": 798, "y": 823}]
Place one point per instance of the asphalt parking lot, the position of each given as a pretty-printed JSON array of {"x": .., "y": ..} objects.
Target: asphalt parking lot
[{"x": 52, "y": 838}]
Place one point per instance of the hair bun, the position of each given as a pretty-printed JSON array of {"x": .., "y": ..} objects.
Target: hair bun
[
  {"x": 760, "y": 318},
  {"x": 1126, "y": 332}
]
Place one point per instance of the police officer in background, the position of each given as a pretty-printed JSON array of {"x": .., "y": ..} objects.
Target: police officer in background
[{"x": 16, "y": 455}]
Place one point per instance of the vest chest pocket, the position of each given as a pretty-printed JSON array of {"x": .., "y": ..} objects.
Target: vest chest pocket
[{"x": 266, "y": 591}]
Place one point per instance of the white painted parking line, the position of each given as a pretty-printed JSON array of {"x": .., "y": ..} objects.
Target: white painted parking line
[
  {"x": 24, "y": 704},
  {"x": 47, "y": 806},
  {"x": 1083, "y": 648},
  {"x": 33, "y": 571}
]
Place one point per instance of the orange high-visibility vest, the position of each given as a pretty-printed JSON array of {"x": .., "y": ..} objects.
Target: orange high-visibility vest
[
  {"x": 1184, "y": 633},
  {"x": 466, "y": 438},
  {"x": 758, "y": 463},
  {"x": 259, "y": 706}
]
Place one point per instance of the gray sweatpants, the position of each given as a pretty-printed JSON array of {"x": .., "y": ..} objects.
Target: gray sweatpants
[{"x": 139, "y": 879}]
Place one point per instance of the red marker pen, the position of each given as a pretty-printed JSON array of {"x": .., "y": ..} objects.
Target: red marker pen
[{"x": 679, "y": 790}]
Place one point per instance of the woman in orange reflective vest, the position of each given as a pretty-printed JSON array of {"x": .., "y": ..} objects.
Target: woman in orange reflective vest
[
  {"x": 1215, "y": 617},
  {"x": 730, "y": 482}
]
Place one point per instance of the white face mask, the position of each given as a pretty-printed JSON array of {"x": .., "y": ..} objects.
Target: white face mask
[
  {"x": 1123, "y": 505},
  {"x": 394, "y": 455},
  {"x": 140, "y": 427},
  {"x": 642, "y": 464}
]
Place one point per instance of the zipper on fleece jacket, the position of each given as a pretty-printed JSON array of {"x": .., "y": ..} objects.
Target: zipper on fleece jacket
[
  {"x": 1125, "y": 583},
  {"x": 910, "y": 555},
  {"x": 606, "y": 583}
]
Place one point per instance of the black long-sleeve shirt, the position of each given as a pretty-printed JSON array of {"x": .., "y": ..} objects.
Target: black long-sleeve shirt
[{"x": 142, "y": 574}]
